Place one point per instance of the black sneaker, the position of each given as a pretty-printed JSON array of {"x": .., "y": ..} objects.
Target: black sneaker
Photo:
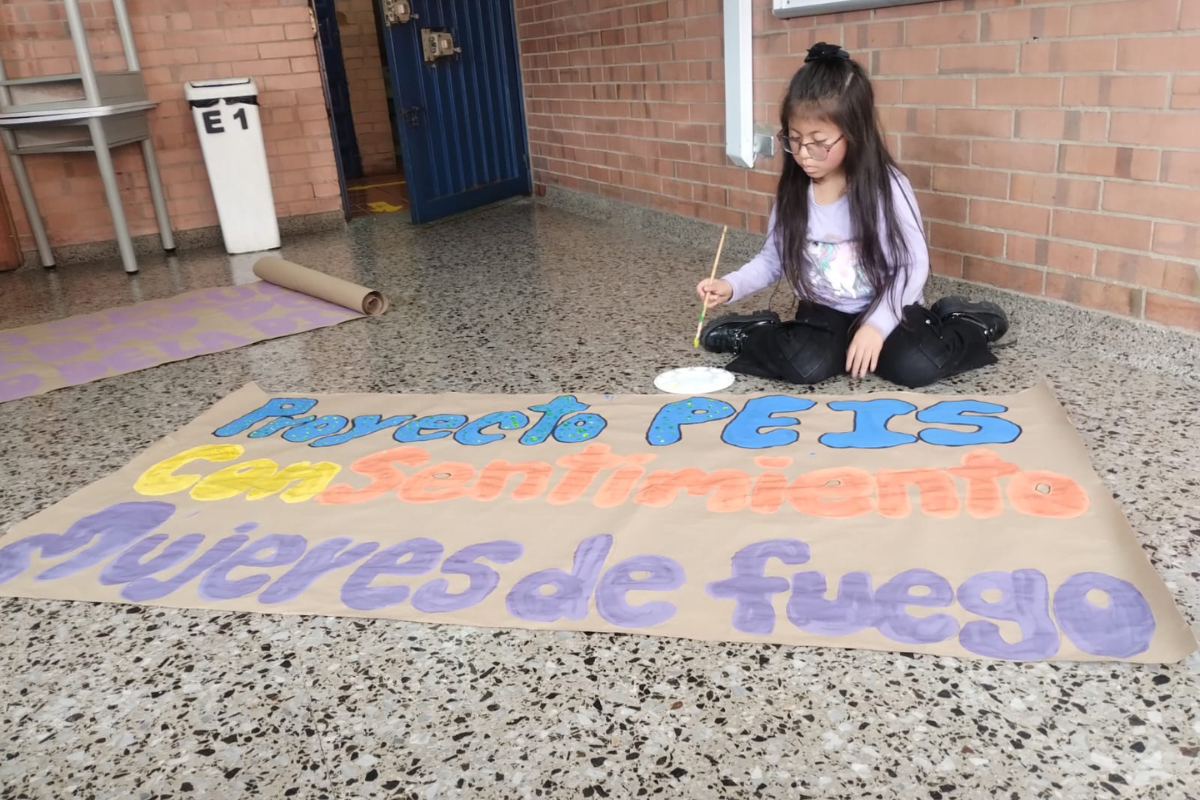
[
  {"x": 988, "y": 316},
  {"x": 726, "y": 334}
]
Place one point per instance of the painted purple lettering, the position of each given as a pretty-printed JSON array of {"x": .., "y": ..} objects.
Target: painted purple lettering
[
  {"x": 433, "y": 597},
  {"x": 1121, "y": 629},
  {"x": 129, "y": 566},
  {"x": 1024, "y": 599},
  {"x": 173, "y": 324},
  {"x": 231, "y": 294},
  {"x": 275, "y": 407},
  {"x": 184, "y": 304},
  {"x": 572, "y": 590},
  {"x": 60, "y": 351},
  {"x": 130, "y": 359},
  {"x": 13, "y": 360},
  {"x": 114, "y": 528},
  {"x": 144, "y": 590},
  {"x": 77, "y": 326},
  {"x": 662, "y": 575},
  {"x": 131, "y": 315},
  {"x": 111, "y": 337},
  {"x": 280, "y": 549},
  {"x": 15, "y": 386},
  {"x": 254, "y": 308},
  {"x": 893, "y": 598},
  {"x": 750, "y": 590},
  {"x": 413, "y": 557},
  {"x": 275, "y": 326},
  {"x": 327, "y": 556},
  {"x": 10, "y": 339},
  {"x": 852, "y": 610},
  {"x": 177, "y": 352},
  {"x": 82, "y": 371},
  {"x": 216, "y": 341}
]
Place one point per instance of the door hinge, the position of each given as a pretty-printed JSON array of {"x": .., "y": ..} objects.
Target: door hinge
[{"x": 397, "y": 12}]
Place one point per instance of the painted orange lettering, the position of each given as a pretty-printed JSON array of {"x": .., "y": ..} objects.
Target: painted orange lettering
[
  {"x": 980, "y": 469},
  {"x": 379, "y": 467},
  {"x": 836, "y": 492},
  {"x": 446, "y": 480},
  {"x": 582, "y": 469},
  {"x": 936, "y": 488},
  {"x": 535, "y": 477},
  {"x": 729, "y": 488},
  {"x": 1041, "y": 493},
  {"x": 615, "y": 490},
  {"x": 769, "y": 487}
]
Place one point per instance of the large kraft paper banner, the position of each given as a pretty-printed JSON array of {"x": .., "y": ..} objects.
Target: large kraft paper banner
[
  {"x": 961, "y": 526},
  {"x": 67, "y": 352}
]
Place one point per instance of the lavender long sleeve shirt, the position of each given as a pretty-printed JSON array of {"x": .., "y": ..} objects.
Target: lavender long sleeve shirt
[{"x": 832, "y": 260}]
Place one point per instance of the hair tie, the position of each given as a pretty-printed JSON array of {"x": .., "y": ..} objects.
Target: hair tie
[{"x": 825, "y": 52}]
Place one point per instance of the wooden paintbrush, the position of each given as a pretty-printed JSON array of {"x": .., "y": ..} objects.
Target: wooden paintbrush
[{"x": 711, "y": 278}]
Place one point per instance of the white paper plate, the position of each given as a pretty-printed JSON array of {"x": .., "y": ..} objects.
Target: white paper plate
[{"x": 694, "y": 380}]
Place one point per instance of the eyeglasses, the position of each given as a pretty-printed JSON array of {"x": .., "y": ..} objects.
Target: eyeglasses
[{"x": 817, "y": 151}]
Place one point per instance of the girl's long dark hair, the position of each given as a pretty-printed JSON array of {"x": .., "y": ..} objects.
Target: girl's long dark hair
[{"x": 837, "y": 90}]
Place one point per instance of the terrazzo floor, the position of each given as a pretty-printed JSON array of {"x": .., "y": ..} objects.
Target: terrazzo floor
[{"x": 107, "y": 701}]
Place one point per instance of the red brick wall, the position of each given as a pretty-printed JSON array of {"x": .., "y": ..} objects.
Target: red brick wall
[
  {"x": 1055, "y": 144},
  {"x": 178, "y": 40},
  {"x": 368, "y": 89}
]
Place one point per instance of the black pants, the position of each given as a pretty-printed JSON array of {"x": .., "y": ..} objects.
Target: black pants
[{"x": 920, "y": 351}]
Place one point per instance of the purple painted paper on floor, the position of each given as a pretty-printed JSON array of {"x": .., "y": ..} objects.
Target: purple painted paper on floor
[{"x": 67, "y": 352}]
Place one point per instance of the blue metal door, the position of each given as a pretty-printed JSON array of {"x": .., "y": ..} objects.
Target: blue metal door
[
  {"x": 460, "y": 114},
  {"x": 337, "y": 89}
]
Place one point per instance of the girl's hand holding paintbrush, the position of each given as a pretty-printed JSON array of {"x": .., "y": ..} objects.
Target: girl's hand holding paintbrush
[{"x": 714, "y": 291}]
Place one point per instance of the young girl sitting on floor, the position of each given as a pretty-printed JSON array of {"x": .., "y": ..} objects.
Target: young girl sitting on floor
[{"x": 846, "y": 232}]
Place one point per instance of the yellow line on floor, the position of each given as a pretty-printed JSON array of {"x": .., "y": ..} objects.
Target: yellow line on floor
[{"x": 374, "y": 186}]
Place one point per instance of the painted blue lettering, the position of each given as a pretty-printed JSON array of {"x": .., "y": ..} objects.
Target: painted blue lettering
[
  {"x": 746, "y": 429},
  {"x": 971, "y": 413},
  {"x": 441, "y": 426},
  {"x": 362, "y": 426},
  {"x": 552, "y": 414},
  {"x": 276, "y": 407},
  {"x": 871, "y": 419},
  {"x": 473, "y": 432},
  {"x": 666, "y": 428}
]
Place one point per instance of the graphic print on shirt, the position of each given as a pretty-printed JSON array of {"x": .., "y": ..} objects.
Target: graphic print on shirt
[{"x": 835, "y": 271}]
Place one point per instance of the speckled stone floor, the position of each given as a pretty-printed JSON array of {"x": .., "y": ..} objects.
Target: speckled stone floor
[{"x": 106, "y": 701}]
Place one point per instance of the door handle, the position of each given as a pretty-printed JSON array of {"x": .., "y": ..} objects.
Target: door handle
[{"x": 412, "y": 115}]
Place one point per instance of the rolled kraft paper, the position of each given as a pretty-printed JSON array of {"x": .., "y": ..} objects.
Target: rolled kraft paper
[{"x": 321, "y": 286}]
